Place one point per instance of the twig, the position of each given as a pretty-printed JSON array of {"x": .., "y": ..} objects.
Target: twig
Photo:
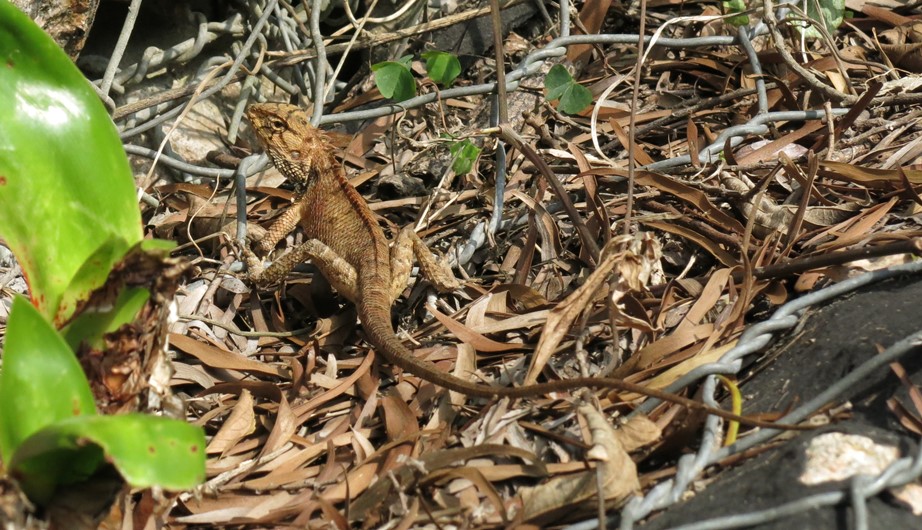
[
  {"x": 631, "y": 133},
  {"x": 506, "y": 133},
  {"x": 500, "y": 61},
  {"x": 808, "y": 77}
]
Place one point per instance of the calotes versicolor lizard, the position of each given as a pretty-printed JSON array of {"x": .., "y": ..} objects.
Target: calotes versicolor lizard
[{"x": 346, "y": 243}]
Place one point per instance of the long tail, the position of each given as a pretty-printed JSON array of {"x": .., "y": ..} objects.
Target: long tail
[{"x": 374, "y": 311}]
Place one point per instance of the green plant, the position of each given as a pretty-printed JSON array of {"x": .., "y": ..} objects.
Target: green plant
[
  {"x": 571, "y": 97},
  {"x": 395, "y": 80},
  {"x": 442, "y": 67},
  {"x": 68, "y": 210},
  {"x": 463, "y": 153},
  {"x": 735, "y": 6},
  {"x": 61, "y": 154},
  {"x": 51, "y": 435},
  {"x": 828, "y": 13}
]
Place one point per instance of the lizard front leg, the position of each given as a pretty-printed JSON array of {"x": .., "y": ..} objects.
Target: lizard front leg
[
  {"x": 282, "y": 226},
  {"x": 264, "y": 241},
  {"x": 406, "y": 246},
  {"x": 335, "y": 269}
]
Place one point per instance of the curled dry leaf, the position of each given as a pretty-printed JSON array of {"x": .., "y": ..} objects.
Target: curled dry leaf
[
  {"x": 903, "y": 46},
  {"x": 547, "y": 502},
  {"x": 285, "y": 426},
  {"x": 242, "y": 422},
  {"x": 867, "y": 176},
  {"x": 632, "y": 267}
]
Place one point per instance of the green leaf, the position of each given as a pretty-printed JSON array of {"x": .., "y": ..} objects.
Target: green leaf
[
  {"x": 464, "y": 154},
  {"x": 90, "y": 325},
  {"x": 831, "y": 13},
  {"x": 442, "y": 67},
  {"x": 556, "y": 81},
  {"x": 406, "y": 60},
  {"x": 158, "y": 246},
  {"x": 146, "y": 450},
  {"x": 394, "y": 80},
  {"x": 69, "y": 463},
  {"x": 573, "y": 97},
  {"x": 735, "y": 6},
  {"x": 67, "y": 196},
  {"x": 41, "y": 381}
]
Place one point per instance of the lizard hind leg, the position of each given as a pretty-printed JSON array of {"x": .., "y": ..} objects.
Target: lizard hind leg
[{"x": 408, "y": 245}]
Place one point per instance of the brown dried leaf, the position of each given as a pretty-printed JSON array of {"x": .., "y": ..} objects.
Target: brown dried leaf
[
  {"x": 661, "y": 348},
  {"x": 562, "y": 496},
  {"x": 240, "y": 423},
  {"x": 469, "y": 336},
  {"x": 286, "y": 423},
  {"x": 869, "y": 177},
  {"x": 673, "y": 374},
  {"x": 704, "y": 242},
  {"x": 306, "y": 409},
  {"x": 692, "y": 196},
  {"x": 624, "y": 263},
  {"x": 217, "y": 358}
]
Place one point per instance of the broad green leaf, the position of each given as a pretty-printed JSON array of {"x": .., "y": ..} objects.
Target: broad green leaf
[
  {"x": 67, "y": 196},
  {"x": 573, "y": 97},
  {"x": 464, "y": 154},
  {"x": 146, "y": 450},
  {"x": 394, "y": 80},
  {"x": 71, "y": 462},
  {"x": 442, "y": 67},
  {"x": 41, "y": 381}
]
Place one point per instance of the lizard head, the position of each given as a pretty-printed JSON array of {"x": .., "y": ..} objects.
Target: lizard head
[{"x": 295, "y": 146}]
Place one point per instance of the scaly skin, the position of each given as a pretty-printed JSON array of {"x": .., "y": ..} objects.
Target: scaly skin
[{"x": 348, "y": 246}]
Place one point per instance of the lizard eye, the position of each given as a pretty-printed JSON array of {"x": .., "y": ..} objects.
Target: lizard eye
[{"x": 277, "y": 125}]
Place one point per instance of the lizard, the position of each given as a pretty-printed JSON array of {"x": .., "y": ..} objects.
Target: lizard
[{"x": 348, "y": 246}]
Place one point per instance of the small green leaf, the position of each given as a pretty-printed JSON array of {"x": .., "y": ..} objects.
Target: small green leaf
[
  {"x": 556, "y": 81},
  {"x": 146, "y": 450},
  {"x": 735, "y": 6},
  {"x": 406, "y": 60},
  {"x": 41, "y": 381},
  {"x": 93, "y": 322},
  {"x": 573, "y": 97},
  {"x": 464, "y": 154},
  {"x": 442, "y": 67},
  {"x": 394, "y": 80},
  {"x": 66, "y": 191},
  {"x": 830, "y": 15}
]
